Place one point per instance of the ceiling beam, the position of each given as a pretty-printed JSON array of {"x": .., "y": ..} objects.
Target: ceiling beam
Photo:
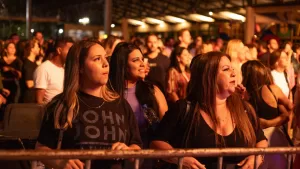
[{"x": 275, "y": 9}]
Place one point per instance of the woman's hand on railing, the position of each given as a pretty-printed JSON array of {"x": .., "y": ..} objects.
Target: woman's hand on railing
[
  {"x": 248, "y": 162},
  {"x": 119, "y": 146},
  {"x": 72, "y": 164},
  {"x": 192, "y": 163}
]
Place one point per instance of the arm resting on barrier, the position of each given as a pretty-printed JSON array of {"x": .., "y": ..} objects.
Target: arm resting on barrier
[
  {"x": 248, "y": 162},
  {"x": 60, "y": 164},
  {"x": 187, "y": 162}
]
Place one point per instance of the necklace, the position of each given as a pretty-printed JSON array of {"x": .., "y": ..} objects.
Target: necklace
[{"x": 97, "y": 107}]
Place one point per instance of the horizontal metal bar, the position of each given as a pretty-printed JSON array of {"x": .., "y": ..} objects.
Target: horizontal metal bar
[{"x": 110, "y": 154}]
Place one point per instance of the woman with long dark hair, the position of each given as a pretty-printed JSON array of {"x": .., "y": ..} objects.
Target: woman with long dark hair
[
  {"x": 127, "y": 71},
  {"x": 212, "y": 116},
  {"x": 178, "y": 74},
  {"x": 87, "y": 114},
  {"x": 272, "y": 108}
]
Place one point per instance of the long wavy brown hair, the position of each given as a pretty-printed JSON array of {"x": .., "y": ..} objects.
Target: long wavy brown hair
[
  {"x": 202, "y": 91},
  {"x": 66, "y": 104}
]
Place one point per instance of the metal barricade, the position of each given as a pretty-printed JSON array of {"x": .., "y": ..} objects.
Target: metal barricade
[{"x": 89, "y": 155}]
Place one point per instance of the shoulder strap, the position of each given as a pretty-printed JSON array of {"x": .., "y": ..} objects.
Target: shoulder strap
[
  {"x": 272, "y": 93},
  {"x": 286, "y": 77}
]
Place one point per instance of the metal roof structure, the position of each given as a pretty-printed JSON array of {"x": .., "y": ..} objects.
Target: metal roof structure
[{"x": 70, "y": 11}]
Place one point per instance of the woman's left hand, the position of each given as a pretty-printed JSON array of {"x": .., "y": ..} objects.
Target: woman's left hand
[
  {"x": 119, "y": 146},
  {"x": 248, "y": 162},
  {"x": 242, "y": 91}
]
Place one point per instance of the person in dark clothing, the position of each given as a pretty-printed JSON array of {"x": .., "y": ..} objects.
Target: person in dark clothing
[
  {"x": 11, "y": 67},
  {"x": 265, "y": 57},
  {"x": 87, "y": 112},
  {"x": 272, "y": 107},
  {"x": 212, "y": 116},
  {"x": 127, "y": 71},
  {"x": 27, "y": 85},
  {"x": 158, "y": 63}
]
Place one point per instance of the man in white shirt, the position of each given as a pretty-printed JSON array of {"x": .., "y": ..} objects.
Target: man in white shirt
[{"x": 49, "y": 76}]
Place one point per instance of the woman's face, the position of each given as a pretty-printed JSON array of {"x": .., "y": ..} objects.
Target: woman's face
[
  {"x": 11, "y": 49},
  {"x": 226, "y": 78},
  {"x": 283, "y": 60},
  {"x": 36, "y": 49},
  {"x": 96, "y": 67},
  {"x": 184, "y": 58},
  {"x": 287, "y": 48},
  {"x": 135, "y": 66}
]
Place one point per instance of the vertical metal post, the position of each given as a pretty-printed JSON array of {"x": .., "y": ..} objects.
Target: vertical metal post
[
  {"x": 180, "y": 161},
  {"x": 107, "y": 16},
  {"x": 249, "y": 25},
  {"x": 220, "y": 162},
  {"x": 125, "y": 31},
  {"x": 136, "y": 163},
  {"x": 87, "y": 164},
  {"x": 28, "y": 18},
  {"x": 255, "y": 161},
  {"x": 289, "y": 161}
]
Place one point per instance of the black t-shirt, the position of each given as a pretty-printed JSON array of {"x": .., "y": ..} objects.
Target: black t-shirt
[
  {"x": 158, "y": 70},
  {"x": 172, "y": 129},
  {"x": 94, "y": 128},
  {"x": 28, "y": 69},
  {"x": 27, "y": 74}
]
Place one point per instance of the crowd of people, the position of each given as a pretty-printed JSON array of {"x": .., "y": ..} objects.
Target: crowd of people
[{"x": 118, "y": 95}]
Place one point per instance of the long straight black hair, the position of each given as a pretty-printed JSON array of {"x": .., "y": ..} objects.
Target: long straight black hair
[{"x": 119, "y": 74}]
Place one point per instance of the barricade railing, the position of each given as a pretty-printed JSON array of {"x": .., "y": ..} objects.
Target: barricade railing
[{"x": 138, "y": 154}]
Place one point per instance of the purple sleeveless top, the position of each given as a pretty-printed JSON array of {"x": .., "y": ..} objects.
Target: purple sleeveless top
[{"x": 129, "y": 95}]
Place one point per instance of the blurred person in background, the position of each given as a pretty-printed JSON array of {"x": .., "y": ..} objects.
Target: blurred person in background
[
  {"x": 158, "y": 63},
  {"x": 235, "y": 49},
  {"x": 11, "y": 68},
  {"x": 178, "y": 74},
  {"x": 196, "y": 46}
]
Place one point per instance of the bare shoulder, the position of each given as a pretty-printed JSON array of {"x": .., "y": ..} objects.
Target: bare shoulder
[{"x": 275, "y": 89}]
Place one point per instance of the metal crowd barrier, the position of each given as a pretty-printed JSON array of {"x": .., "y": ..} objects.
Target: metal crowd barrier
[{"x": 137, "y": 154}]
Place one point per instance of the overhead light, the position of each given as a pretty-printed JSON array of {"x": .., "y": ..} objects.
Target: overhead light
[
  {"x": 233, "y": 16},
  {"x": 112, "y": 25},
  {"x": 84, "y": 20},
  {"x": 174, "y": 19},
  {"x": 197, "y": 17},
  {"x": 31, "y": 30},
  {"x": 153, "y": 21},
  {"x": 298, "y": 10},
  {"x": 136, "y": 22},
  {"x": 60, "y": 31},
  {"x": 210, "y": 13}
]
